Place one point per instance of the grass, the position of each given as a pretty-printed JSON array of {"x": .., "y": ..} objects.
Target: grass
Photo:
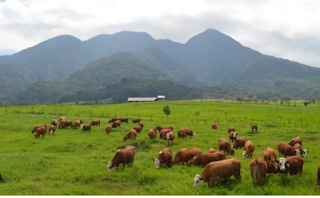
[{"x": 74, "y": 163}]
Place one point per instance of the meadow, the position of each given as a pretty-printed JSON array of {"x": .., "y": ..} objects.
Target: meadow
[{"x": 75, "y": 163}]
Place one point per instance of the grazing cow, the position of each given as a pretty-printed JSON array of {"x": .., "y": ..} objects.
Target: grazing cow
[
  {"x": 163, "y": 133},
  {"x": 303, "y": 152},
  {"x": 232, "y": 136},
  {"x": 225, "y": 146},
  {"x": 108, "y": 129},
  {"x": 152, "y": 134},
  {"x": 138, "y": 128},
  {"x": 231, "y": 129},
  {"x": 35, "y": 128},
  {"x": 258, "y": 168},
  {"x": 220, "y": 169},
  {"x": 65, "y": 123},
  {"x": 131, "y": 134},
  {"x": 124, "y": 156},
  {"x": 124, "y": 147},
  {"x": 203, "y": 160},
  {"x": 295, "y": 141},
  {"x": 318, "y": 176},
  {"x": 164, "y": 158},
  {"x": 211, "y": 150},
  {"x": 80, "y": 120},
  {"x": 239, "y": 143},
  {"x": 116, "y": 124},
  {"x": 141, "y": 124},
  {"x": 170, "y": 137},
  {"x": 52, "y": 129},
  {"x": 41, "y": 131},
  {"x": 270, "y": 157},
  {"x": 191, "y": 134},
  {"x": 136, "y": 120},
  {"x": 85, "y": 127},
  {"x": 290, "y": 165},
  {"x": 214, "y": 125},
  {"x": 95, "y": 122},
  {"x": 182, "y": 156},
  {"x": 54, "y": 122},
  {"x": 182, "y": 133},
  {"x": 287, "y": 150},
  {"x": 254, "y": 128},
  {"x": 195, "y": 152},
  {"x": 248, "y": 149},
  {"x": 76, "y": 124},
  {"x": 113, "y": 119},
  {"x": 161, "y": 128},
  {"x": 124, "y": 120}
]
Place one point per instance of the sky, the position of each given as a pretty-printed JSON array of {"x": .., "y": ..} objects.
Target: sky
[{"x": 287, "y": 29}]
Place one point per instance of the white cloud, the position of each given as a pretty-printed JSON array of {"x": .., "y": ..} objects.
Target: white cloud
[{"x": 286, "y": 28}]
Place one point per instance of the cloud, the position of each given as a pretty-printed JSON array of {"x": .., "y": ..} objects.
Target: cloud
[{"x": 287, "y": 29}]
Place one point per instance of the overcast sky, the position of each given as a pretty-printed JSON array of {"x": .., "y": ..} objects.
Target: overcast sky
[{"x": 283, "y": 28}]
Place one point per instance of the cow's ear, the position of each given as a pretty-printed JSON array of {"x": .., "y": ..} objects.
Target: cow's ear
[{"x": 202, "y": 178}]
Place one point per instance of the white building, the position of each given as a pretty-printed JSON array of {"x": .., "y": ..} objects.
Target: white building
[{"x": 146, "y": 99}]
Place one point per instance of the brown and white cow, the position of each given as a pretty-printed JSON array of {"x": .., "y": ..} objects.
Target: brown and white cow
[
  {"x": 220, "y": 169},
  {"x": 116, "y": 124},
  {"x": 138, "y": 128},
  {"x": 195, "y": 152},
  {"x": 170, "y": 137},
  {"x": 164, "y": 158},
  {"x": 205, "y": 159},
  {"x": 191, "y": 134},
  {"x": 95, "y": 122},
  {"x": 42, "y": 130},
  {"x": 136, "y": 120},
  {"x": 214, "y": 125},
  {"x": 66, "y": 123},
  {"x": 231, "y": 129},
  {"x": 287, "y": 150},
  {"x": 181, "y": 156},
  {"x": 85, "y": 127},
  {"x": 132, "y": 134},
  {"x": 108, "y": 129},
  {"x": 239, "y": 143},
  {"x": 211, "y": 150},
  {"x": 35, "y": 128},
  {"x": 259, "y": 169},
  {"x": 113, "y": 119},
  {"x": 254, "y": 128},
  {"x": 302, "y": 152},
  {"x": 232, "y": 136},
  {"x": 163, "y": 133},
  {"x": 161, "y": 128},
  {"x": 290, "y": 165},
  {"x": 225, "y": 146},
  {"x": 270, "y": 157},
  {"x": 124, "y": 157},
  {"x": 152, "y": 134},
  {"x": 295, "y": 141},
  {"x": 182, "y": 133},
  {"x": 54, "y": 122},
  {"x": 248, "y": 149},
  {"x": 52, "y": 129}
]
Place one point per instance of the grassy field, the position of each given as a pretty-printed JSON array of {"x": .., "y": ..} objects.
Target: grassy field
[{"x": 74, "y": 163}]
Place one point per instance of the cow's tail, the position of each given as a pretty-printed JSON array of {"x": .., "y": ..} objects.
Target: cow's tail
[{"x": 255, "y": 173}]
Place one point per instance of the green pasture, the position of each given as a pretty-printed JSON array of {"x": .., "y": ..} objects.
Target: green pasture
[{"x": 75, "y": 163}]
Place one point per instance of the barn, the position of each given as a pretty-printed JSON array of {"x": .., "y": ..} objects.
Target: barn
[{"x": 146, "y": 99}]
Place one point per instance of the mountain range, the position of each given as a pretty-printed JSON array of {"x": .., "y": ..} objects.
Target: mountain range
[{"x": 64, "y": 66}]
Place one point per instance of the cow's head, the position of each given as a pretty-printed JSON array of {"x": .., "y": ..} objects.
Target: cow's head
[
  {"x": 51, "y": 132},
  {"x": 305, "y": 153},
  {"x": 298, "y": 152},
  {"x": 198, "y": 180},
  {"x": 192, "y": 160},
  {"x": 244, "y": 154},
  {"x": 125, "y": 138},
  {"x": 157, "y": 163},
  {"x": 283, "y": 164},
  {"x": 235, "y": 134},
  {"x": 110, "y": 166},
  {"x": 81, "y": 126},
  {"x": 168, "y": 136}
]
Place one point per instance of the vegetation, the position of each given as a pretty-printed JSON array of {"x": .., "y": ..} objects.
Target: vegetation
[
  {"x": 166, "y": 110},
  {"x": 74, "y": 163}
]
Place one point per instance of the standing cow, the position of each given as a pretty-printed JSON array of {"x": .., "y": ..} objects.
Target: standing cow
[
  {"x": 85, "y": 127},
  {"x": 239, "y": 143},
  {"x": 232, "y": 136},
  {"x": 124, "y": 156},
  {"x": 258, "y": 168},
  {"x": 108, "y": 129},
  {"x": 116, "y": 124},
  {"x": 52, "y": 129},
  {"x": 254, "y": 128},
  {"x": 170, "y": 137},
  {"x": 95, "y": 122},
  {"x": 270, "y": 157},
  {"x": 290, "y": 165},
  {"x": 181, "y": 156},
  {"x": 248, "y": 149},
  {"x": 152, "y": 134},
  {"x": 225, "y": 146},
  {"x": 214, "y": 125}
]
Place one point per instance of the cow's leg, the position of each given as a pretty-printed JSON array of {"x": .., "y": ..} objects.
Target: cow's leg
[{"x": 211, "y": 182}]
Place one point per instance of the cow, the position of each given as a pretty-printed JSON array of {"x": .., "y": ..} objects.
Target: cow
[
  {"x": 205, "y": 159},
  {"x": 254, "y": 128},
  {"x": 54, "y": 122},
  {"x": 170, "y": 137},
  {"x": 65, "y": 123},
  {"x": 214, "y": 125},
  {"x": 287, "y": 150},
  {"x": 239, "y": 143},
  {"x": 164, "y": 158},
  {"x": 270, "y": 157},
  {"x": 220, "y": 169},
  {"x": 116, "y": 124},
  {"x": 131, "y": 134},
  {"x": 63, "y": 118},
  {"x": 113, "y": 119},
  {"x": 161, "y": 128},
  {"x": 232, "y": 136},
  {"x": 85, "y": 127},
  {"x": 318, "y": 177},
  {"x": 35, "y": 128},
  {"x": 124, "y": 147},
  {"x": 108, "y": 129},
  {"x": 136, "y": 120},
  {"x": 52, "y": 129},
  {"x": 124, "y": 156},
  {"x": 191, "y": 134},
  {"x": 152, "y": 134},
  {"x": 195, "y": 152},
  {"x": 295, "y": 141},
  {"x": 141, "y": 124},
  {"x": 225, "y": 146},
  {"x": 181, "y": 156},
  {"x": 211, "y": 150},
  {"x": 138, "y": 128},
  {"x": 259, "y": 169},
  {"x": 95, "y": 122},
  {"x": 124, "y": 120},
  {"x": 231, "y": 129},
  {"x": 76, "y": 124},
  {"x": 80, "y": 120},
  {"x": 42, "y": 130},
  {"x": 303, "y": 152},
  {"x": 182, "y": 133},
  {"x": 248, "y": 149},
  {"x": 290, "y": 165},
  {"x": 163, "y": 133}
]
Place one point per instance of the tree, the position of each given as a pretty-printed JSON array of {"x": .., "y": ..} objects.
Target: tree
[
  {"x": 77, "y": 102},
  {"x": 167, "y": 111}
]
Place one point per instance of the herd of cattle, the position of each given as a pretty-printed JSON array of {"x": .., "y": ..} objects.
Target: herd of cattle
[{"x": 215, "y": 163}]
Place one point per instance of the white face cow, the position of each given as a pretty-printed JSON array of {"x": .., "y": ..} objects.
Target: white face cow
[
  {"x": 298, "y": 152},
  {"x": 197, "y": 181},
  {"x": 305, "y": 153},
  {"x": 168, "y": 136},
  {"x": 244, "y": 154},
  {"x": 157, "y": 162},
  {"x": 51, "y": 132},
  {"x": 234, "y": 134},
  {"x": 109, "y": 166},
  {"x": 254, "y": 130},
  {"x": 81, "y": 126},
  {"x": 282, "y": 163},
  {"x": 56, "y": 121}
]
